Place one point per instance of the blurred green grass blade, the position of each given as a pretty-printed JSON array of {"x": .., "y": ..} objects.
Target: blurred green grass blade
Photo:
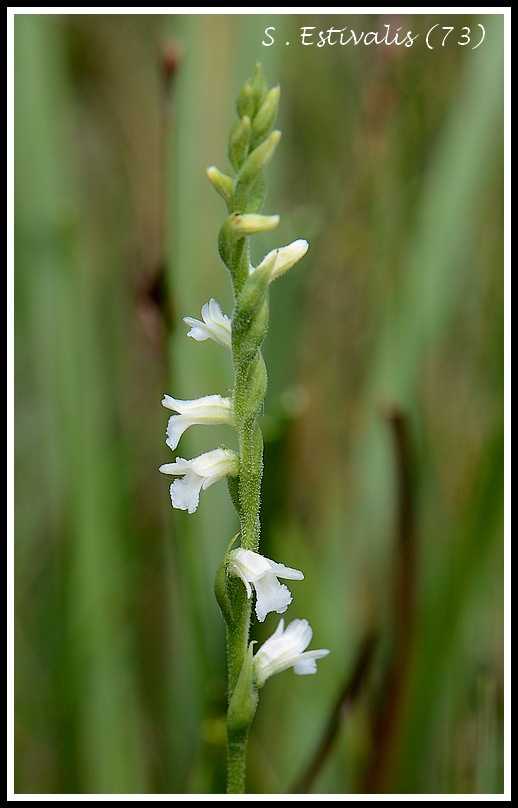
[
  {"x": 420, "y": 318},
  {"x": 442, "y": 647},
  {"x": 43, "y": 200},
  {"x": 418, "y": 315},
  {"x": 93, "y": 710},
  {"x": 438, "y": 267}
]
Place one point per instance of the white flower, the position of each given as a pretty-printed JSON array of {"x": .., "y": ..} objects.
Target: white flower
[
  {"x": 215, "y": 325},
  {"x": 262, "y": 572},
  {"x": 207, "y": 410},
  {"x": 283, "y": 258},
  {"x": 284, "y": 649},
  {"x": 198, "y": 474}
]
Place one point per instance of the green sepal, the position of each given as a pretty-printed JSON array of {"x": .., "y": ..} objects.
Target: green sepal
[
  {"x": 233, "y": 490},
  {"x": 259, "y": 86},
  {"x": 249, "y": 302},
  {"x": 234, "y": 252},
  {"x": 243, "y": 702},
  {"x": 249, "y": 331},
  {"x": 220, "y": 585},
  {"x": 250, "y": 199},
  {"x": 265, "y": 117},
  {"x": 227, "y": 241},
  {"x": 256, "y": 161},
  {"x": 245, "y": 101},
  {"x": 223, "y": 184},
  {"x": 239, "y": 141},
  {"x": 253, "y": 380}
]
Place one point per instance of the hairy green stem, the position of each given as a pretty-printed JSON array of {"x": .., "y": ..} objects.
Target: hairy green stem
[
  {"x": 236, "y": 762},
  {"x": 237, "y": 736},
  {"x": 251, "y": 146}
]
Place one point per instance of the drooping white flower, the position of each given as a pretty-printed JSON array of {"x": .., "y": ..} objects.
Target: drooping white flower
[
  {"x": 207, "y": 410},
  {"x": 198, "y": 474},
  {"x": 283, "y": 258},
  {"x": 287, "y": 649},
  {"x": 215, "y": 325},
  {"x": 254, "y": 569}
]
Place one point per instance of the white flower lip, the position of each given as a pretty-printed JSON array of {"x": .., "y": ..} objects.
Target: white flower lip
[
  {"x": 207, "y": 410},
  {"x": 198, "y": 474},
  {"x": 287, "y": 649},
  {"x": 262, "y": 573},
  {"x": 215, "y": 325}
]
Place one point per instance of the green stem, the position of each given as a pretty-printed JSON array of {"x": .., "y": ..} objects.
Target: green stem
[
  {"x": 250, "y": 148},
  {"x": 249, "y": 484},
  {"x": 242, "y": 701},
  {"x": 236, "y": 762}
]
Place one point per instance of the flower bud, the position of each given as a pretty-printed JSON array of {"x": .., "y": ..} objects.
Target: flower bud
[
  {"x": 245, "y": 101},
  {"x": 259, "y": 158},
  {"x": 247, "y": 224},
  {"x": 258, "y": 85},
  {"x": 250, "y": 185},
  {"x": 279, "y": 261},
  {"x": 239, "y": 141},
  {"x": 265, "y": 117},
  {"x": 223, "y": 184}
]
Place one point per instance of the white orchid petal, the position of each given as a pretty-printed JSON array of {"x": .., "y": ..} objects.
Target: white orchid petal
[
  {"x": 286, "y": 572},
  {"x": 197, "y": 331},
  {"x": 272, "y": 596},
  {"x": 307, "y": 662},
  {"x": 286, "y": 649},
  {"x": 262, "y": 573},
  {"x": 282, "y": 259},
  {"x": 215, "y": 326},
  {"x": 185, "y": 492},
  {"x": 176, "y": 426},
  {"x": 209, "y": 410},
  {"x": 198, "y": 474}
]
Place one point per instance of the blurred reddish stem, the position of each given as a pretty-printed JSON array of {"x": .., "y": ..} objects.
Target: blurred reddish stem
[
  {"x": 390, "y": 708},
  {"x": 348, "y": 695},
  {"x": 154, "y": 303}
]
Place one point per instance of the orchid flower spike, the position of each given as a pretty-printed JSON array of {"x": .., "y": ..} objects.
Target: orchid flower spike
[
  {"x": 198, "y": 474},
  {"x": 207, "y": 410},
  {"x": 254, "y": 569},
  {"x": 287, "y": 649},
  {"x": 215, "y": 325}
]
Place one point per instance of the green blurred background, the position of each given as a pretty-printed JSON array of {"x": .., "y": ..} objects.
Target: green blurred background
[{"x": 383, "y": 420}]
